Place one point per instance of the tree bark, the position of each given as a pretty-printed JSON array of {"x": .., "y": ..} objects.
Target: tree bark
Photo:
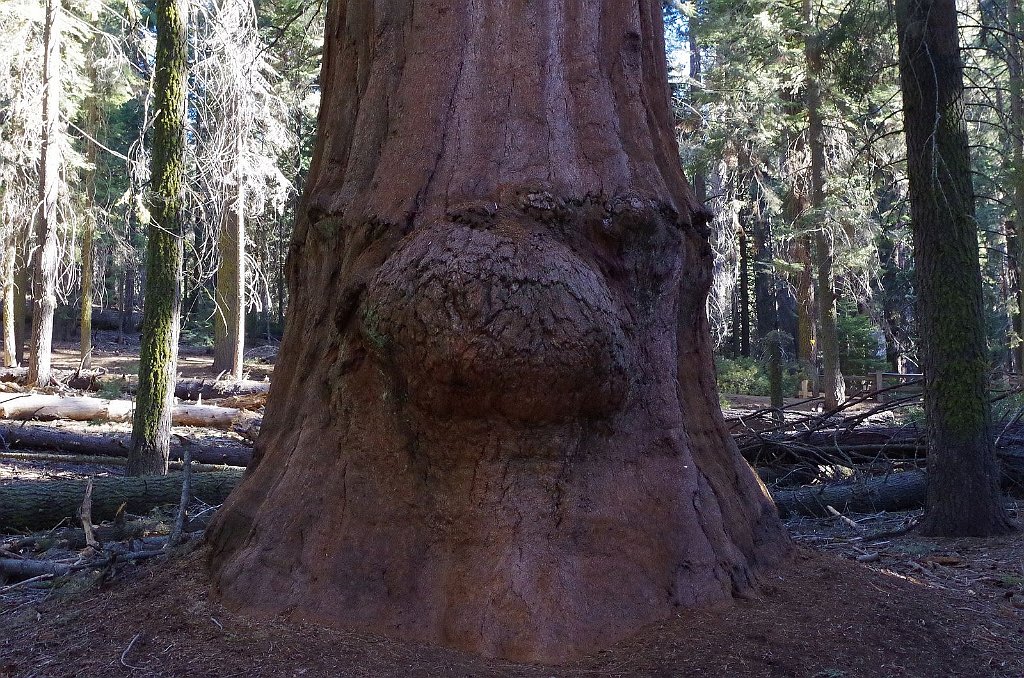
[
  {"x": 494, "y": 423},
  {"x": 89, "y": 222},
  {"x": 229, "y": 319},
  {"x": 45, "y": 256},
  {"x": 22, "y": 282},
  {"x": 744, "y": 293},
  {"x": 833, "y": 388},
  {"x": 1015, "y": 122},
  {"x": 9, "y": 301},
  {"x": 158, "y": 358},
  {"x": 33, "y": 505},
  {"x": 963, "y": 485}
]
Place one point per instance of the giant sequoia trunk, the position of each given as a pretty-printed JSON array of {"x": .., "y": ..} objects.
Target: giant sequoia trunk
[
  {"x": 493, "y": 423},
  {"x": 963, "y": 476}
]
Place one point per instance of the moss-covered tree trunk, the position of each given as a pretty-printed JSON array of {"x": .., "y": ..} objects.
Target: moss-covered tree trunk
[
  {"x": 833, "y": 388},
  {"x": 151, "y": 426},
  {"x": 963, "y": 475},
  {"x": 493, "y": 422},
  {"x": 229, "y": 320},
  {"x": 44, "y": 259}
]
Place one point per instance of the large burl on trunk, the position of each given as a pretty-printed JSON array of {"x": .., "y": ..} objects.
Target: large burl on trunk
[{"x": 494, "y": 422}]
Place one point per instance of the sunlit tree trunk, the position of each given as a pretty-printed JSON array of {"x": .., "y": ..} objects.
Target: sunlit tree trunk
[
  {"x": 92, "y": 114},
  {"x": 44, "y": 259},
  {"x": 10, "y": 336},
  {"x": 229, "y": 320}
]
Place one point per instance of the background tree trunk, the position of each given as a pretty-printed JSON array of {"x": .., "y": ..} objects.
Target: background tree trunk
[
  {"x": 963, "y": 476},
  {"x": 493, "y": 422},
  {"x": 229, "y": 319},
  {"x": 833, "y": 389},
  {"x": 22, "y": 282},
  {"x": 151, "y": 427},
  {"x": 45, "y": 255},
  {"x": 89, "y": 222},
  {"x": 10, "y": 335},
  {"x": 1015, "y": 136}
]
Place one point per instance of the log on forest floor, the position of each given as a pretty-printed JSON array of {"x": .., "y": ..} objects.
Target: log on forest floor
[
  {"x": 903, "y": 491},
  {"x": 29, "y": 437},
  {"x": 28, "y": 406},
  {"x": 184, "y": 389},
  {"x": 33, "y": 504}
]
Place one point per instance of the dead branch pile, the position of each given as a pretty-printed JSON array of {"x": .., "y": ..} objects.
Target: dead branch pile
[{"x": 856, "y": 458}]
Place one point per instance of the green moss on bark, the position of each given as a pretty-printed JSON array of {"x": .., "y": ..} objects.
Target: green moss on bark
[{"x": 159, "y": 351}]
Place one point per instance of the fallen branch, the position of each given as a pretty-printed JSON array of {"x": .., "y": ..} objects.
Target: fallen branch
[{"x": 85, "y": 513}]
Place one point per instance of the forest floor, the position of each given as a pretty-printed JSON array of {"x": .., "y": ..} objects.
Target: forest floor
[
  {"x": 920, "y": 607},
  {"x": 859, "y": 598}
]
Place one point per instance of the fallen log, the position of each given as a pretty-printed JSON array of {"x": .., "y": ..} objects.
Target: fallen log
[
  {"x": 33, "y": 505},
  {"x": 45, "y": 438},
  {"x": 184, "y": 389},
  {"x": 57, "y": 458},
  {"x": 43, "y": 407},
  {"x": 895, "y": 492}
]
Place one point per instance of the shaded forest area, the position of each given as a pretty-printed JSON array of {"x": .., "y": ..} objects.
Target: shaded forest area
[{"x": 498, "y": 276}]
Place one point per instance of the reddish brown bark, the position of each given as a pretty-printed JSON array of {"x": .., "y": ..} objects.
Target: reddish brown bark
[{"x": 493, "y": 422}]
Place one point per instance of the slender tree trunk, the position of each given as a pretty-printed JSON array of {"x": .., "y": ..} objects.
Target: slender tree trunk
[
  {"x": 744, "y": 294},
  {"x": 127, "y": 310},
  {"x": 22, "y": 282},
  {"x": 833, "y": 387},
  {"x": 1015, "y": 135},
  {"x": 963, "y": 475},
  {"x": 493, "y": 422},
  {"x": 151, "y": 427},
  {"x": 9, "y": 300},
  {"x": 89, "y": 222},
  {"x": 229, "y": 320},
  {"x": 45, "y": 256}
]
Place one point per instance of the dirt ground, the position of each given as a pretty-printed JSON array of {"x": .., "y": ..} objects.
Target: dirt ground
[
  {"x": 123, "y": 358},
  {"x": 919, "y": 607}
]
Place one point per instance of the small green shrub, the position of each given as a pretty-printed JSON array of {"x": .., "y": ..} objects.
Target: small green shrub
[{"x": 746, "y": 376}]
